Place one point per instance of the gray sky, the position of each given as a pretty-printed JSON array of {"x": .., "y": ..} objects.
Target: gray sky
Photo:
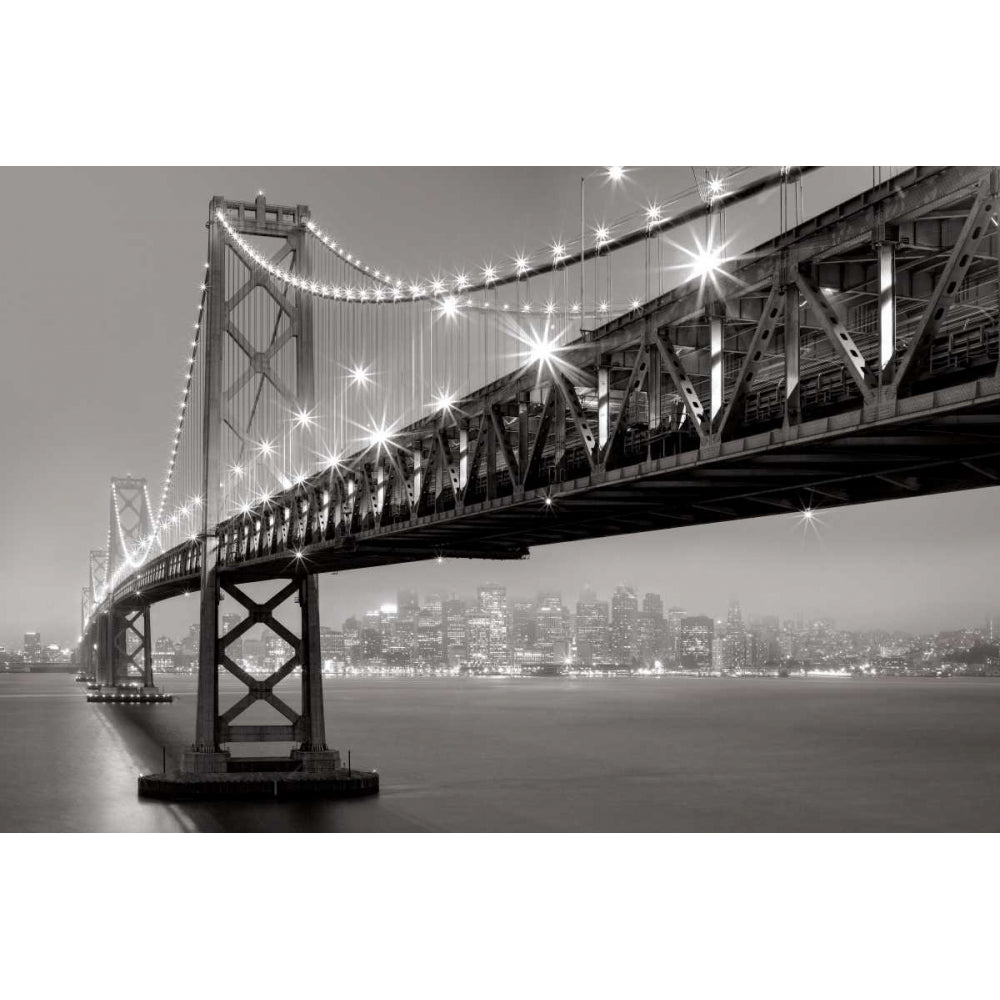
[{"x": 98, "y": 287}]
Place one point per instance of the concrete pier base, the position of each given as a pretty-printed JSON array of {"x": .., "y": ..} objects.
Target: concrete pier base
[
  {"x": 260, "y": 783},
  {"x": 317, "y": 760}
]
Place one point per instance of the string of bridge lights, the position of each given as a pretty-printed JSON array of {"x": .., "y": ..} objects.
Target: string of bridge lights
[
  {"x": 144, "y": 543},
  {"x": 710, "y": 190},
  {"x": 160, "y": 523},
  {"x": 447, "y": 292}
]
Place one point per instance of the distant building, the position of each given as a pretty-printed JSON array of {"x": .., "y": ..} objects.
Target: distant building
[
  {"x": 734, "y": 643},
  {"x": 164, "y": 656},
  {"x": 674, "y": 631},
  {"x": 276, "y": 652},
  {"x": 352, "y": 640},
  {"x": 551, "y": 618},
  {"x": 523, "y": 625},
  {"x": 453, "y": 626},
  {"x": 187, "y": 651},
  {"x": 33, "y": 647},
  {"x": 493, "y": 607},
  {"x": 625, "y": 627},
  {"x": 651, "y": 631},
  {"x": 253, "y": 654},
  {"x": 331, "y": 648},
  {"x": 697, "y": 635},
  {"x": 593, "y": 634}
]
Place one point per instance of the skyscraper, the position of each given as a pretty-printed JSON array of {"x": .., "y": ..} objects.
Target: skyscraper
[
  {"x": 33, "y": 647},
  {"x": 651, "y": 630},
  {"x": 523, "y": 625},
  {"x": 493, "y": 605},
  {"x": 593, "y": 636},
  {"x": 697, "y": 636},
  {"x": 734, "y": 644},
  {"x": 674, "y": 629},
  {"x": 551, "y": 618},
  {"x": 453, "y": 628},
  {"x": 625, "y": 627}
]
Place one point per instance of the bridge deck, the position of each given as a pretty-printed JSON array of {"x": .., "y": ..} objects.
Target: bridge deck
[{"x": 937, "y": 442}]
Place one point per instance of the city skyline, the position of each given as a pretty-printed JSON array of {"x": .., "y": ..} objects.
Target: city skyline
[{"x": 625, "y": 630}]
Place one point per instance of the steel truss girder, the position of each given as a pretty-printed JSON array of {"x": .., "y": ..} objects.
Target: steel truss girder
[{"x": 977, "y": 226}]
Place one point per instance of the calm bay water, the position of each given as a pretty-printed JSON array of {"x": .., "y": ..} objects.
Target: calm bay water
[{"x": 544, "y": 754}]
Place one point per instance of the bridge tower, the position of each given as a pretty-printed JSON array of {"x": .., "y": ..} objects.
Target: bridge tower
[
  {"x": 95, "y": 634},
  {"x": 127, "y": 646},
  {"x": 236, "y": 356}
]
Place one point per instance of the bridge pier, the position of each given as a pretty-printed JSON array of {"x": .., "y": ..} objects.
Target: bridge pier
[
  {"x": 307, "y": 727},
  {"x": 102, "y": 628},
  {"x": 208, "y": 770}
]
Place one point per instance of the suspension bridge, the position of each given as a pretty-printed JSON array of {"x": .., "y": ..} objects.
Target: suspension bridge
[{"x": 642, "y": 376}]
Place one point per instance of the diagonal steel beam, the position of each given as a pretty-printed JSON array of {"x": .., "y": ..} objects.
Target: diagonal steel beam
[
  {"x": 541, "y": 435},
  {"x": 837, "y": 333},
  {"x": 770, "y": 317},
  {"x": 501, "y": 436},
  {"x": 682, "y": 383},
  {"x": 474, "y": 458},
  {"x": 977, "y": 226},
  {"x": 572, "y": 401},
  {"x": 636, "y": 380}
]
